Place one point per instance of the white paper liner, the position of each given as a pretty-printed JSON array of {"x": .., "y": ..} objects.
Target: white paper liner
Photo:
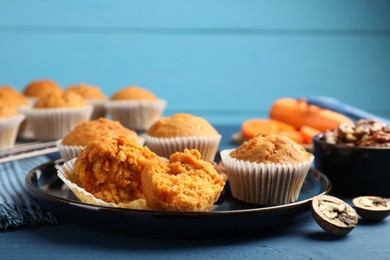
[
  {"x": 9, "y": 127},
  {"x": 265, "y": 184},
  {"x": 67, "y": 175},
  {"x": 55, "y": 123},
  {"x": 137, "y": 115},
  {"x": 99, "y": 109},
  {"x": 32, "y": 100},
  {"x": 206, "y": 145},
  {"x": 23, "y": 126},
  {"x": 69, "y": 152}
]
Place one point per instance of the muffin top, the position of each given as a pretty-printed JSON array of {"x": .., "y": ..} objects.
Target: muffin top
[
  {"x": 185, "y": 183},
  {"x": 182, "y": 125},
  {"x": 89, "y": 131},
  {"x": 60, "y": 100},
  {"x": 40, "y": 88},
  {"x": 7, "y": 111},
  {"x": 111, "y": 167},
  {"x": 87, "y": 91},
  {"x": 271, "y": 148},
  {"x": 10, "y": 96},
  {"x": 134, "y": 93}
]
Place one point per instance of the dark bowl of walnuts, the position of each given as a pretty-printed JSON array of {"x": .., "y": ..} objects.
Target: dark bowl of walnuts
[{"x": 356, "y": 158}]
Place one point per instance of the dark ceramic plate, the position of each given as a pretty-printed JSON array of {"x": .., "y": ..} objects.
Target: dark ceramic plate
[{"x": 229, "y": 216}]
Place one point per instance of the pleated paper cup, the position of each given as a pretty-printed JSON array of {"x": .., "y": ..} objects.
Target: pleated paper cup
[
  {"x": 138, "y": 115},
  {"x": 55, "y": 123},
  {"x": 9, "y": 128},
  {"x": 267, "y": 184},
  {"x": 206, "y": 145},
  {"x": 69, "y": 152},
  {"x": 99, "y": 108},
  {"x": 67, "y": 174}
]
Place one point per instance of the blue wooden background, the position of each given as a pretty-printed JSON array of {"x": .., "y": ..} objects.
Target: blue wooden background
[{"x": 226, "y": 60}]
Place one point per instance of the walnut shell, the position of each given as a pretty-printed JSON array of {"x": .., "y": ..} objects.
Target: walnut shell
[
  {"x": 372, "y": 208},
  {"x": 334, "y": 215}
]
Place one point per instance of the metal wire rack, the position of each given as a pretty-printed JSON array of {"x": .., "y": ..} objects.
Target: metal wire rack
[{"x": 27, "y": 149}]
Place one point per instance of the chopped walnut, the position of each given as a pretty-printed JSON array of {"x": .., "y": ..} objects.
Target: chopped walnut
[{"x": 370, "y": 133}]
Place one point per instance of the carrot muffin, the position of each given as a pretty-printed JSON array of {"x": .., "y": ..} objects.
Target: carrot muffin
[
  {"x": 111, "y": 168},
  {"x": 57, "y": 113},
  {"x": 134, "y": 93},
  {"x": 268, "y": 169},
  {"x": 90, "y": 131},
  {"x": 60, "y": 100},
  {"x": 92, "y": 95},
  {"x": 10, "y": 96},
  {"x": 136, "y": 108},
  {"x": 267, "y": 148},
  {"x": 169, "y": 135},
  {"x": 39, "y": 88},
  {"x": 185, "y": 183},
  {"x": 10, "y": 121}
]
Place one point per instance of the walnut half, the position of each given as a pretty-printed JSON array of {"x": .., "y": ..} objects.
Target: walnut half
[
  {"x": 334, "y": 215},
  {"x": 372, "y": 208}
]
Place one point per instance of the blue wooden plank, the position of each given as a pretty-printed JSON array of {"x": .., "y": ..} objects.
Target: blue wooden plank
[
  {"x": 219, "y": 73},
  {"x": 279, "y": 15}
]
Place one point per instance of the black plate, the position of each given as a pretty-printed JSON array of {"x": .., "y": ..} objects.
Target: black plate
[{"x": 229, "y": 216}]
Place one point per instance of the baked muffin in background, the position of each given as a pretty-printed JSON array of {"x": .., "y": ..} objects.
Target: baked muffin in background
[
  {"x": 93, "y": 95},
  {"x": 40, "y": 88},
  {"x": 184, "y": 183},
  {"x": 10, "y": 121},
  {"x": 90, "y": 131},
  {"x": 268, "y": 169},
  {"x": 55, "y": 114},
  {"x": 173, "y": 134},
  {"x": 11, "y": 97},
  {"x": 135, "y": 107},
  {"x": 134, "y": 93}
]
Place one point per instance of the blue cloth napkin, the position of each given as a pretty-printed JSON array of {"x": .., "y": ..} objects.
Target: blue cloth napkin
[{"x": 16, "y": 208}]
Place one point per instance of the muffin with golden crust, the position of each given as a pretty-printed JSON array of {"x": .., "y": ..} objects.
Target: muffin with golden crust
[
  {"x": 60, "y": 100},
  {"x": 111, "y": 168},
  {"x": 10, "y": 121},
  {"x": 90, "y": 131},
  {"x": 93, "y": 95},
  {"x": 87, "y": 91},
  {"x": 39, "y": 88},
  {"x": 135, "y": 107},
  {"x": 55, "y": 114},
  {"x": 11, "y": 97},
  {"x": 268, "y": 169},
  {"x": 7, "y": 110},
  {"x": 181, "y": 124},
  {"x": 134, "y": 93},
  {"x": 185, "y": 183},
  {"x": 266, "y": 148},
  {"x": 172, "y": 134}
]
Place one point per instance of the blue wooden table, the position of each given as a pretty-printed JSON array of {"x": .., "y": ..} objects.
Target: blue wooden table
[{"x": 301, "y": 240}]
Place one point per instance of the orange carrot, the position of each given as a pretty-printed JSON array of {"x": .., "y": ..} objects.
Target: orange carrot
[
  {"x": 253, "y": 127},
  {"x": 294, "y": 135},
  {"x": 298, "y": 113},
  {"x": 308, "y": 133},
  {"x": 282, "y": 126}
]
